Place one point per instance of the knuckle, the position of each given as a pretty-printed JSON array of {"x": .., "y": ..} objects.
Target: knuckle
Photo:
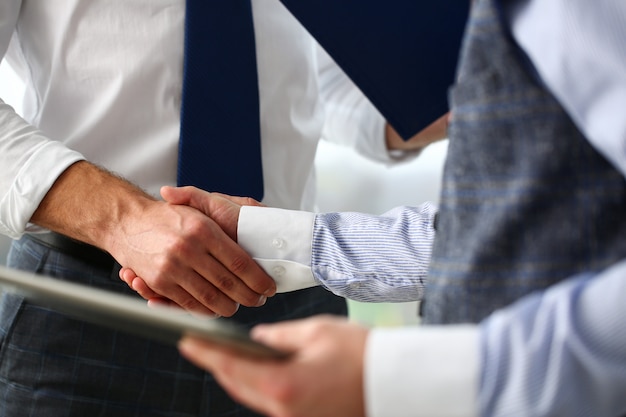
[
  {"x": 196, "y": 224},
  {"x": 209, "y": 297},
  {"x": 188, "y": 304},
  {"x": 159, "y": 281},
  {"x": 249, "y": 201},
  {"x": 225, "y": 283},
  {"x": 282, "y": 390},
  {"x": 240, "y": 264},
  {"x": 176, "y": 247}
]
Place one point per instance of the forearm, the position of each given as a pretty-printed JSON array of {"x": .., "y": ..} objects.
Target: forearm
[
  {"x": 91, "y": 205},
  {"x": 179, "y": 252}
]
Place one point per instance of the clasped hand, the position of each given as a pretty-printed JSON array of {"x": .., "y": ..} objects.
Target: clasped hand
[{"x": 203, "y": 269}]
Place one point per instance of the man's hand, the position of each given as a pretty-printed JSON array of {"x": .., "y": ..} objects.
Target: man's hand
[
  {"x": 186, "y": 257},
  {"x": 179, "y": 252},
  {"x": 434, "y": 132},
  {"x": 222, "y": 209},
  {"x": 322, "y": 377}
]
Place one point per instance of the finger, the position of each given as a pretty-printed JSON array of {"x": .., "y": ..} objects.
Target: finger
[
  {"x": 222, "y": 211},
  {"x": 162, "y": 302},
  {"x": 140, "y": 286},
  {"x": 189, "y": 196},
  {"x": 227, "y": 306},
  {"x": 242, "y": 201},
  {"x": 157, "y": 300},
  {"x": 127, "y": 275},
  {"x": 222, "y": 247},
  {"x": 137, "y": 284},
  {"x": 184, "y": 293},
  {"x": 202, "y": 353},
  {"x": 176, "y": 195},
  {"x": 166, "y": 302},
  {"x": 214, "y": 284},
  {"x": 292, "y": 335},
  {"x": 200, "y": 296},
  {"x": 287, "y": 335},
  {"x": 241, "y": 265},
  {"x": 242, "y": 377},
  {"x": 207, "y": 288},
  {"x": 197, "y": 198}
]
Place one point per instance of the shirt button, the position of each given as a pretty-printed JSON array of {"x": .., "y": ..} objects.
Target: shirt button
[
  {"x": 278, "y": 243},
  {"x": 278, "y": 271},
  {"x": 355, "y": 285}
]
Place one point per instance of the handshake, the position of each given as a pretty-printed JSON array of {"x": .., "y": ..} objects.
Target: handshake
[{"x": 189, "y": 256}]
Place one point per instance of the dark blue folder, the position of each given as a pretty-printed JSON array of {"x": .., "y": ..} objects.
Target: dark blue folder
[{"x": 401, "y": 53}]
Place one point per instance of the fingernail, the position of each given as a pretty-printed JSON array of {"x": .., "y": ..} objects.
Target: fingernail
[{"x": 262, "y": 300}]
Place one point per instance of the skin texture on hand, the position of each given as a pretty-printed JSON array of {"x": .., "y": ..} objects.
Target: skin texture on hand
[
  {"x": 221, "y": 208},
  {"x": 177, "y": 250},
  {"x": 322, "y": 377}
]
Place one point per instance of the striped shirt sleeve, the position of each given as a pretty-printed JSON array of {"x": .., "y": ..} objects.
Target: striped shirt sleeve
[
  {"x": 374, "y": 258},
  {"x": 359, "y": 256}
]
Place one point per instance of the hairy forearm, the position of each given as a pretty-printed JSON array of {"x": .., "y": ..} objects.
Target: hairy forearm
[
  {"x": 89, "y": 204},
  {"x": 179, "y": 252}
]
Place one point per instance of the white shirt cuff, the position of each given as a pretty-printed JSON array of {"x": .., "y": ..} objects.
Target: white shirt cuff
[
  {"x": 422, "y": 371},
  {"x": 43, "y": 165},
  {"x": 280, "y": 242}
]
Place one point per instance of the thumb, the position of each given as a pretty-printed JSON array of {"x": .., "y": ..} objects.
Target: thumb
[
  {"x": 178, "y": 195},
  {"x": 220, "y": 209},
  {"x": 190, "y": 196},
  {"x": 242, "y": 201},
  {"x": 292, "y": 336}
]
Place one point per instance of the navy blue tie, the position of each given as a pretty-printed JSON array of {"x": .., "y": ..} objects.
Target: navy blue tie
[{"x": 220, "y": 147}]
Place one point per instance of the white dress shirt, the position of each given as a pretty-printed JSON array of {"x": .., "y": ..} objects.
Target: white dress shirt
[
  {"x": 103, "y": 83},
  {"x": 571, "y": 332}
]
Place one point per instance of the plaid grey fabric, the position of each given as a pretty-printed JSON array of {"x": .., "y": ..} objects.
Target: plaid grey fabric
[
  {"x": 526, "y": 201},
  {"x": 51, "y": 365}
]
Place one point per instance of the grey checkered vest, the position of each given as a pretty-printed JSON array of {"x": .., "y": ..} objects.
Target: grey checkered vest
[{"x": 526, "y": 201}]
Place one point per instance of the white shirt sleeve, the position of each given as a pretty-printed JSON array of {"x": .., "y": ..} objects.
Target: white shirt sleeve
[
  {"x": 30, "y": 162},
  {"x": 9, "y": 12},
  {"x": 422, "y": 371}
]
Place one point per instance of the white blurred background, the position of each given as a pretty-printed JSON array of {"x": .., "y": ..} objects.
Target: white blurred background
[{"x": 346, "y": 182}]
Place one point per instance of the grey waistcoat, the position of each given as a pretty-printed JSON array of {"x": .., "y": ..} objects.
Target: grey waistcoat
[{"x": 526, "y": 201}]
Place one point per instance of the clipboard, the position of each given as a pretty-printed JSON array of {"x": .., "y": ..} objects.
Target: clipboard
[
  {"x": 129, "y": 314},
  {"x": 402, "y": 54}
]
